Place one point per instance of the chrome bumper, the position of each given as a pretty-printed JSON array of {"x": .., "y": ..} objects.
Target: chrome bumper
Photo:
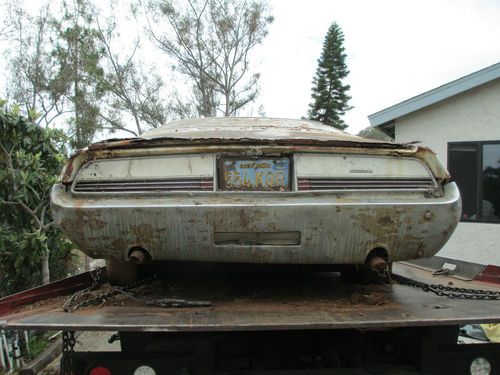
[{"x": 298, "y": 228}]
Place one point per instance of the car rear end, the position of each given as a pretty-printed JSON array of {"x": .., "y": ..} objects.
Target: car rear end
[{"x": 287, "y": 200}]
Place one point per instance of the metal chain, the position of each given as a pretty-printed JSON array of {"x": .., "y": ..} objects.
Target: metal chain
[
  {"x": 384, "y": 274},
  {"x": 71, "y": 305},
  {"x": 450, "y": 291},
  {"x": 71, "y": 301},
  {"x": 68, "y": 348}
]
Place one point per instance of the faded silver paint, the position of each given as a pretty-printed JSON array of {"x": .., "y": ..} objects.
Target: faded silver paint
[
  {"x": 173, "y": 166},
  {"x": 337, "y": 226},
  {"x": 342, "y": 166}
]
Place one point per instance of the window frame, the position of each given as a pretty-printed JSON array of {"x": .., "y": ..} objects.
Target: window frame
[{"x": 479, "y": 176}]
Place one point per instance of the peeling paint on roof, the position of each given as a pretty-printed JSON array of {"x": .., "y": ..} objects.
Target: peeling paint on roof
[{"x": 257, "y": 128}]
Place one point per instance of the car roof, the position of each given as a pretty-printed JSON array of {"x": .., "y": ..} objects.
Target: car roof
[{"x": 256, "y": 128}]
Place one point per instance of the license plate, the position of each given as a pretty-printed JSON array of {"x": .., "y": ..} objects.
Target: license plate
[{"x": 269, "y": 174}]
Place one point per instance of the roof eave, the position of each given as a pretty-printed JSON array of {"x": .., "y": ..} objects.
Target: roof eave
[{"x": 436, "y": 95}]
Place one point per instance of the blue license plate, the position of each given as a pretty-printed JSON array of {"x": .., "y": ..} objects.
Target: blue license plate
[{"x": 269, "y": 174}]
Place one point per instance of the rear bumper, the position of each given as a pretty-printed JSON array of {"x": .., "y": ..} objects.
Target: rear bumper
[{"x": 295, "y": 228}]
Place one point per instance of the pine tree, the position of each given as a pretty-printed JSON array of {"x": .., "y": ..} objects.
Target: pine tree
[{"x": 329, "y": 94}]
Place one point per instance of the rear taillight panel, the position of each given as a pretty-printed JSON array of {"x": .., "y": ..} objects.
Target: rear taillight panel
[
  {"x": 286, "y": 173},
  {"x": 325, "y": 172}
]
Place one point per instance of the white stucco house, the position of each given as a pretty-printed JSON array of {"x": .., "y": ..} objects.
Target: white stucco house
[{"x": 460, "y": 121}]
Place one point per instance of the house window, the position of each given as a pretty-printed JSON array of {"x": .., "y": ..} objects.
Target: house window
[{"x": 475, "y": 167}]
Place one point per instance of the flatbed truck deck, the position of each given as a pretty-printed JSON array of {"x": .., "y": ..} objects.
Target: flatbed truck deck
[{"x": 277, "y": 323}]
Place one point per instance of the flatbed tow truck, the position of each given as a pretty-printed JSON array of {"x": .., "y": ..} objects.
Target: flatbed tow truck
[{"x": 272, "y": 321}]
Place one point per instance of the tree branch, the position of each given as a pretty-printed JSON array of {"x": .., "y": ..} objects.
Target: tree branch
[{"x": 26, "y": 209}]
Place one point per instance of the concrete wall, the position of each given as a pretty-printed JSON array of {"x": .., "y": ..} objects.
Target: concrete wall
[{"x": 470, "y": 116}]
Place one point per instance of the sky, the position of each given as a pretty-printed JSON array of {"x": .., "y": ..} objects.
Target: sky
[{"x": 395, "y": 50}]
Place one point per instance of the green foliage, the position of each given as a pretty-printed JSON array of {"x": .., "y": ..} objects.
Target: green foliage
[
  {"x": 79, "y": 54},
  {"x": 38, "y": 342},
  {"x": 30, "y": 163},
  {"x": 329, "y": 93},
  {"x": 67, "y": 60},
  {"x": 31, "y": 79}
]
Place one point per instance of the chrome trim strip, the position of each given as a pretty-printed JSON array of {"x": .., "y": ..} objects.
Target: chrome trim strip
[
  {"x": 196, "y": 184},
  {"x": 305, "y": 184}
]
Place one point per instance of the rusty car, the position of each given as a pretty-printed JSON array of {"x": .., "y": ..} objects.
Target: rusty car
[{"x": 255, "y": 190}]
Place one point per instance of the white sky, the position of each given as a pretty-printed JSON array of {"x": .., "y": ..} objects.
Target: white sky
[{"x": 395, "y": 49}]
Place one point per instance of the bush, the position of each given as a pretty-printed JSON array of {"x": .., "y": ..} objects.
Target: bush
[{"x": 30, "y": 160}]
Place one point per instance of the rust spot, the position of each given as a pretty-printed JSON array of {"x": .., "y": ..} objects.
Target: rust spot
[
  {"x": 385, "y": 220},
  {"x": 261, "y": 255},
  {"x": 74, "y": 162},
  {"x": 68, "y": 172},
  {"x": 119, "y": 244},
  {"x": 382, "y": 223},
  {"x": 71, "y": 226},
  {"x": 78, "y": 202},
  {"x": 370, "y": 298},
  {"x": 155, "y": 142},
  {"x": 142, "y": 232},
  {"x": 242, "y": 219},
  {"x": 96, "y": 224}
]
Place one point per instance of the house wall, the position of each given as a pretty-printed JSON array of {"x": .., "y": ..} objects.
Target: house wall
[{"x": 470, "y": 116}]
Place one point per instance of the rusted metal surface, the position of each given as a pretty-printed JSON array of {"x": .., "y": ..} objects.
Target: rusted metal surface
[
  {"x": 172, "y": 192},
  {"x": 457, "y": 269},
  {"x": 54, "y": 289},
  {"x": 116, "y": 150},
  {"x": 265, "y": 300},
  {"x": 139, "y": 143},
  {"x": 414, "y": 272},
  {"x": 243, "y": 130},
  {"x": 490, "y": 274},
  {"x": 72, "y": 166},
  {"x": 139, "y": 256},
  {"x": 335, "y": 228},
  {"x": 257, "y": 128},
  {"x": 376, "y": 262},
  {"x": 244, "y": 134}
]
